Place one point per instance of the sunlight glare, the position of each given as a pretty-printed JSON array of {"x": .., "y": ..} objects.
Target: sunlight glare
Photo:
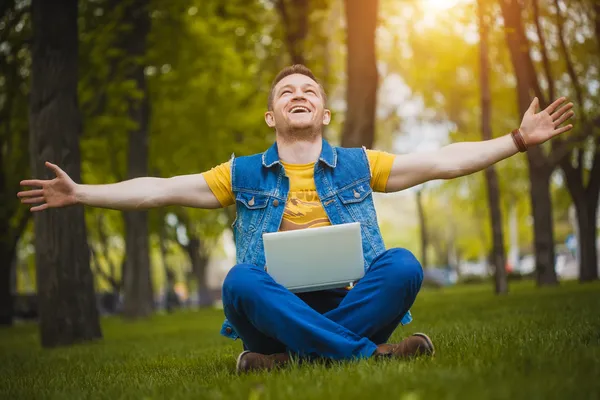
[{"x": 439, "y": 5}]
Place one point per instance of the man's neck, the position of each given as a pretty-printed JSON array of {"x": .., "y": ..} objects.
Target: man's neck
[{"x": 299, "y": 151}]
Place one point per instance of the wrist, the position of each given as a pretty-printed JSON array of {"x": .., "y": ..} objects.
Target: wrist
[
  {"x": 519, "y": 140},
  {"x": 78, "y": 193}
]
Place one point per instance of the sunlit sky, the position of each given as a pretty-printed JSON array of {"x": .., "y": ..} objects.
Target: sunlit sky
[{"x": 440, "y": 5}]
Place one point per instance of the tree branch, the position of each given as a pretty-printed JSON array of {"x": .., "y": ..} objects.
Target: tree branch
[
  {"x": 97, "y": 269},
  {"x": 568, "y": 60},
  {"x": 21, "y": 224},
  {"x": 597, "y": 23},
  {"x": 295, "y": 31},
  {"x": 562, "y": 147},
  {"x": 103, "y": 243},
  {"x": 543, "y": 49}
]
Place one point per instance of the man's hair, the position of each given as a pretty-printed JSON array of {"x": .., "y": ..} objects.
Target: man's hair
[{"x": 291, "y": 70}]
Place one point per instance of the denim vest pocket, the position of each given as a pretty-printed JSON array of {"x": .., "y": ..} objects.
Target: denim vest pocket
[
  {"x": 251, "y": 208},
  {"x": 353, "y": 198}
]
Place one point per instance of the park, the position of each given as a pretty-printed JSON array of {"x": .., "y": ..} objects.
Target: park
[{"x": 150, "y": 150}]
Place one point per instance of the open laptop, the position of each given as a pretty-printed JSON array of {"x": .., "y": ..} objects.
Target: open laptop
[{"x": 307, "y": 260}]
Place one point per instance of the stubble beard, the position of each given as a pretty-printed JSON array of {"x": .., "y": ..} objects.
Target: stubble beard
[{"x": 303, "y": 134}]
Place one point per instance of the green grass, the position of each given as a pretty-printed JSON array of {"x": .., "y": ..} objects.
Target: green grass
[{"x": 532, "y": 344}]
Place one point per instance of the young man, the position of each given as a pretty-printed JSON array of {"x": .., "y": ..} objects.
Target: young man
[{"x": 303, "y": 182}]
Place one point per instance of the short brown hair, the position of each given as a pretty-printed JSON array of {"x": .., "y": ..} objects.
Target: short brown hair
[{"x": 291, "y": 70}]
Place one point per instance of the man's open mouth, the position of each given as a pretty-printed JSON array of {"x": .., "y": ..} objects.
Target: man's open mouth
[{"x": 299, "y": 109}]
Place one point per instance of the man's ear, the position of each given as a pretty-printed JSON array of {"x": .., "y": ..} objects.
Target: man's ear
[
  {"x": 270, "y": 119},
  {"x": 326, "y": 117}
]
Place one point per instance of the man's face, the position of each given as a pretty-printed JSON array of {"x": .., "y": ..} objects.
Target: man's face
[{"x": 297, "y": 106}]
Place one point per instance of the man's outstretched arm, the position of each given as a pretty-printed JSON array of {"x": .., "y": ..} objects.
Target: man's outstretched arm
[
  {"x": 134, "y": 194},
  {"x": 464, "y": 158}
]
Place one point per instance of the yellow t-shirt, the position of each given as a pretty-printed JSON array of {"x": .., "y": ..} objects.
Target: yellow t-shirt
[{"x": 303, "y": 208}]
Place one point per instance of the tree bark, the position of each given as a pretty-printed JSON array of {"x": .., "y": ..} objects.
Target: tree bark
[
  {"x": 423, "y": 225},
  {"x": 491, "y": 178},
  {"x": 138, "y": 295},
  {"x": 294, "y": 16},
  {"x": 362, "y": 79},
  {"x": 67, "y": 302},
  {"x": 543, "y": 234},
  {"x": 539, "y": 168},
  {"x": 584, "y": 198},
  {"x": 199, "y": 263},
  {"x": 7, "y": 254},
  {"x": 586, "y": 208}
]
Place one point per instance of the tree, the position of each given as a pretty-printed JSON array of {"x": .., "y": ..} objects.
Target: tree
[
  {"x": 541, "y": 164},
  {"x": 585, "y": 197},
  {"x": 423, "y": 227},
  {"x": 138, "y": 294},
  {"x": 491, "y": 178},
  {"x": 294, "y": 18},
  {"x": 14, "y": 70},
  {"x": 67, "y": 303},
  {"x": 362, "y": 77}
]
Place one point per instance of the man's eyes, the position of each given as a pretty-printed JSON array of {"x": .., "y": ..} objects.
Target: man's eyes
[{"x": 289, "y": 91}]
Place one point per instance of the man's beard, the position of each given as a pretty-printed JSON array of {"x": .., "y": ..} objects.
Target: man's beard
[{"x": 297, "y": 134}]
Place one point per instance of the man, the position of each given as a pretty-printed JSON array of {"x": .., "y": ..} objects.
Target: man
[{"x": 303, "y": 182}]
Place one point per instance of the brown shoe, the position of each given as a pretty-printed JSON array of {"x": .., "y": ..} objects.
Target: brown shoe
[
  {"x": 418, "y": 344},
  {"x": 248, "y": 361}
]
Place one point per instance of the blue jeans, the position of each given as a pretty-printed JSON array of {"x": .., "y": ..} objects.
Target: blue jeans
[{"x": 336, "y": 324}]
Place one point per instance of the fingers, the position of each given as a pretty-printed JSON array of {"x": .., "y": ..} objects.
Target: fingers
[
  {"x": 31, "y": 193},
  {"x": 54, "y": 168},
  {"x": 561, "y": 111},
  {"x": 34, "y": 200},
  {"x": 550, "y": 109},
  {"x": 533, "y": 107},
  {"x": 562, "y": 130},
  {"x": 39, "y": 208},
  {"x": 32, "y": 182},
  {"x": 563, "y": 118}
]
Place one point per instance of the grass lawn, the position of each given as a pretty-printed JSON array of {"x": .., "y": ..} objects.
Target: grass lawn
[{"x": 532, "y": 344}]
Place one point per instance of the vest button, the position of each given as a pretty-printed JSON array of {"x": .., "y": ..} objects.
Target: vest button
[
  {"x": 356, "y": 194},
  {"x": 275, "y": 203}
]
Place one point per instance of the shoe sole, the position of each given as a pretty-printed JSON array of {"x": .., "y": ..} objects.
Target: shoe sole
[
  {"x": 239, "y": 360},
  {"x": 428, "y": 340}
]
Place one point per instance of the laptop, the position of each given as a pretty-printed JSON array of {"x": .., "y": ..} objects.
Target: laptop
[{"x": 312, "y": 259}]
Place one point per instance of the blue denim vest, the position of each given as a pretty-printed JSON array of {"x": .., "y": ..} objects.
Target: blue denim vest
[{"x": 260, "y": 186}]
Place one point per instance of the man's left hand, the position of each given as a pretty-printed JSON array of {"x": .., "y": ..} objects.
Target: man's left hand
[{"x": 537, "y": 128}]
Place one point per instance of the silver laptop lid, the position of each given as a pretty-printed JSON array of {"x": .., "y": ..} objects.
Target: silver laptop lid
[{"x": 315, "y": 258}]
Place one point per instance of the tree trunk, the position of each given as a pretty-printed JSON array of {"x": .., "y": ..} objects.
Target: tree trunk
[
  {"x": 541, "y": 207},
  {"x": 14, "y": 157},
  {"x": 199, "y": 263},
  {"x": 294, "y": 16},
  {"x": 67, "y": 302},
  {"x": 491, "y": 178},
  {"x": 7, "y": 254},
  {"x": 586, "y": 221},
  {"x": 362, "y": 79},
  {"x": 138, "y": 296},
  {"x": 169, "y": 278},
  {"x": 539, "y": 170},
  {"x": 423, "y": 225},
  {"x": 586, "y": 209}
]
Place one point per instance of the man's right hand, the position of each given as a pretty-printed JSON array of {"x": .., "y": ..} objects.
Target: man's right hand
[
  {"x": 58, "y": 192},
  {"x": 134, "y": 194}
]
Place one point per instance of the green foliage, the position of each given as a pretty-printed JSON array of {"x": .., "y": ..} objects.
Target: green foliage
[
  {"x": 15, "y": 66},
  {"x": 437, "y": 56}
]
